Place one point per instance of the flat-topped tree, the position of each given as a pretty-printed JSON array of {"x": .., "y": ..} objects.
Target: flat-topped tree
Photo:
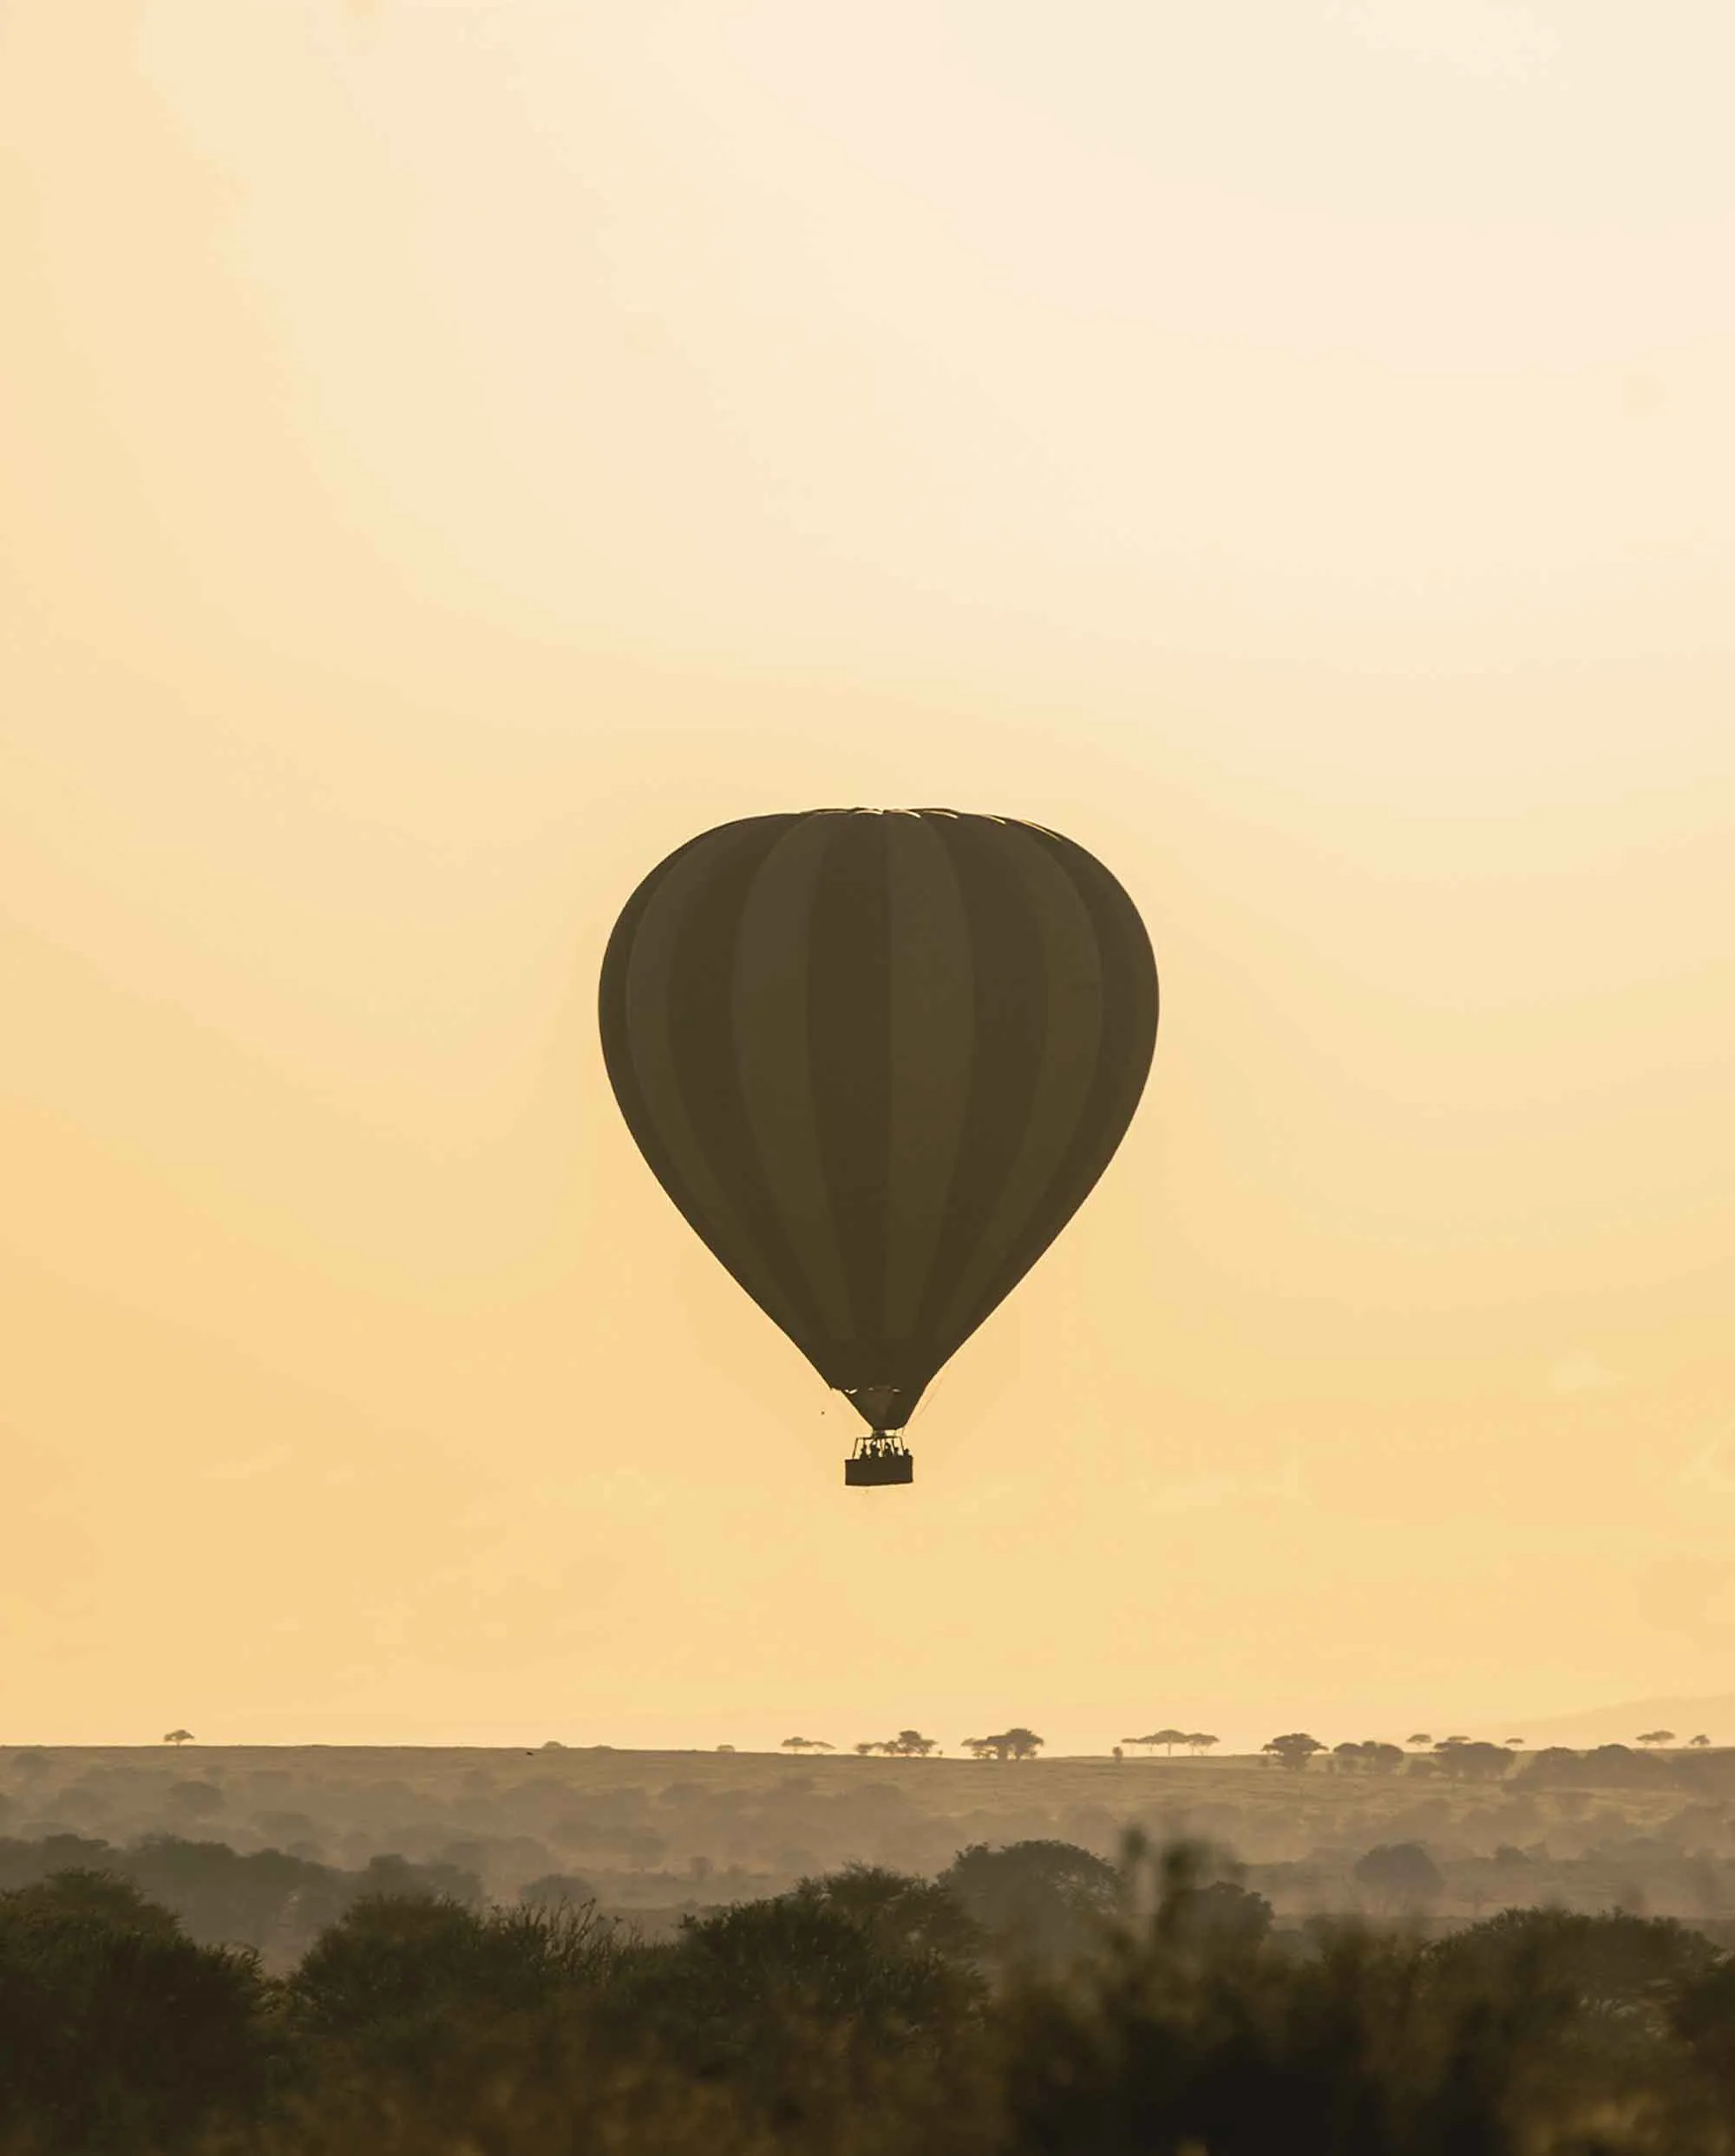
[
  {"x": 1009, "y": 1744},
  {"x": 806, "y": 1744},
  {"x": 1293, "y": 1750},
  {"x": 1198, "y": 1743},
  {"x": 1420, "y": 1737},
  {"x": 179, "y": 1737},
  {"x": 1480, "y": 1761},
  {"x": 1657, "y": 1736},
  {"x": 1368, "y": 1757}
]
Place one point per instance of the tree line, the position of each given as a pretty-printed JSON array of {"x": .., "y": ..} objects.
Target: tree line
[{"x": 1032, "y": 1999}]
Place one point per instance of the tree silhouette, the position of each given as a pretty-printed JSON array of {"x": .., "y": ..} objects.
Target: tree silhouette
[
  {"x": 1037, "y": 1897},
  {"x": 1657, "y": 1736},
  {"x": 1371, "y": 1757},
  {"x": 1293, "y": 1750},
  {"x": 1514, "y": 1743},
  {"x": 1010, "y": 1744},
  {"x": 1198, "y": 1743},
  {"x": 1420, "y": 1737},
  {"x": 806, "y": 1744},
  {"x": 862, "y": 1750},
  {"x": 1400, "y": 1872},
  {"x": 179, "y": 1737},
  {"x": 911, "y": 1744},
  {"x": 1698, "y": 1743},
  {"x": 1472, "y": 1762}
]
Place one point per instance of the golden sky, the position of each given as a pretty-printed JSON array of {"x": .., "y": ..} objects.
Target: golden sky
[{"x": 450, "y": 450}]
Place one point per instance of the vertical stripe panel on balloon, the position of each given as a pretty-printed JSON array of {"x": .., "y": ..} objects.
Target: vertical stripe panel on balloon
[
  {"x": 702, "y": 1035},
  {"x": 769, "y": 993},
  {"x": 684, "y": 892},
  {"x": 1129, "y": 1024},
  {"x": 1007, "y": 1015},
  {"x": 929, "y": 1046},
  {"x": 1024, "y": 1221},
  {"x": 847, "y": 1042},
  {"x": 611, "y": 1022}
]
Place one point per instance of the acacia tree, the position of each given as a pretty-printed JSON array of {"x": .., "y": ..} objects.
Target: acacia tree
[
  {"x": 1698, "y": 1743},
  {"x": 1370, "y": 1757},
  {"x": 1420, "y": 1737},
  {"x": 911, "y": 1744},
  {"x": 1293, "y": 1750},
  {"x": 1472, "y": 1762},
  {"x": 806, "y": 1744},
  {"x": 1199, "y": 1742},
  {"x": 1010, "y": 1744},
  {"x": 1658, "y": 1736},
  {"x": 178, "y": 1737}
]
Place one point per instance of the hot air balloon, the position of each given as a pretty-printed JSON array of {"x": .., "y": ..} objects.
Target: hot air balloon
[{"x": 877, "y": 1060}]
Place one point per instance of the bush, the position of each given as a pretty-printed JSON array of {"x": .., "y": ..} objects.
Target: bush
[
  {"x": 1400, "y": 1873},
  {"x": 1041, "y": 1900},
  {"x": 116, "y": 2030},
  {"x": 847, "y": 2018},
  {"x": 392, "y": 1975}
]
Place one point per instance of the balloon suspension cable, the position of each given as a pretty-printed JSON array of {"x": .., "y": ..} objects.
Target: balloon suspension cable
[
  {"x": 880, "y": 1457},
  {"x": 881, "y": 1445}
]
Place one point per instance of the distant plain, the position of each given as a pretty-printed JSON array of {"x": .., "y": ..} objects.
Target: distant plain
[{"x": 653, "y": 1835}]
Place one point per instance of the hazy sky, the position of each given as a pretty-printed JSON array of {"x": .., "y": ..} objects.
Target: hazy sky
[{"x": 450, "y": 450}]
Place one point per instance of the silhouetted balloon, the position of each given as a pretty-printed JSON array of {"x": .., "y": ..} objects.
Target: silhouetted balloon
[{"x": 878, "y": 1062}]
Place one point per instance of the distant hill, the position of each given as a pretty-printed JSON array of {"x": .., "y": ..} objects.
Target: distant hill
[{"x": 1714, "y": 1714}]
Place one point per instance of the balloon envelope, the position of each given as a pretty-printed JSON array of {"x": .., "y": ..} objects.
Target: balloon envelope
[{"x": 878, "y": 1060}]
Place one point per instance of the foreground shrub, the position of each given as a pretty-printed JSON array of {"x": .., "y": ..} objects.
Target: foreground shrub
[
  {"x": 1179, "y": 2038},
  {"x": 116, "y": 2031},
  {"x": 855, "y": 2017},
  {"x": 392, "y": 1979}
]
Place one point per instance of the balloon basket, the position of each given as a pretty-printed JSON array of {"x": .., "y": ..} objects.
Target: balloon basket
[{"x": 878, "y": 1460}]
